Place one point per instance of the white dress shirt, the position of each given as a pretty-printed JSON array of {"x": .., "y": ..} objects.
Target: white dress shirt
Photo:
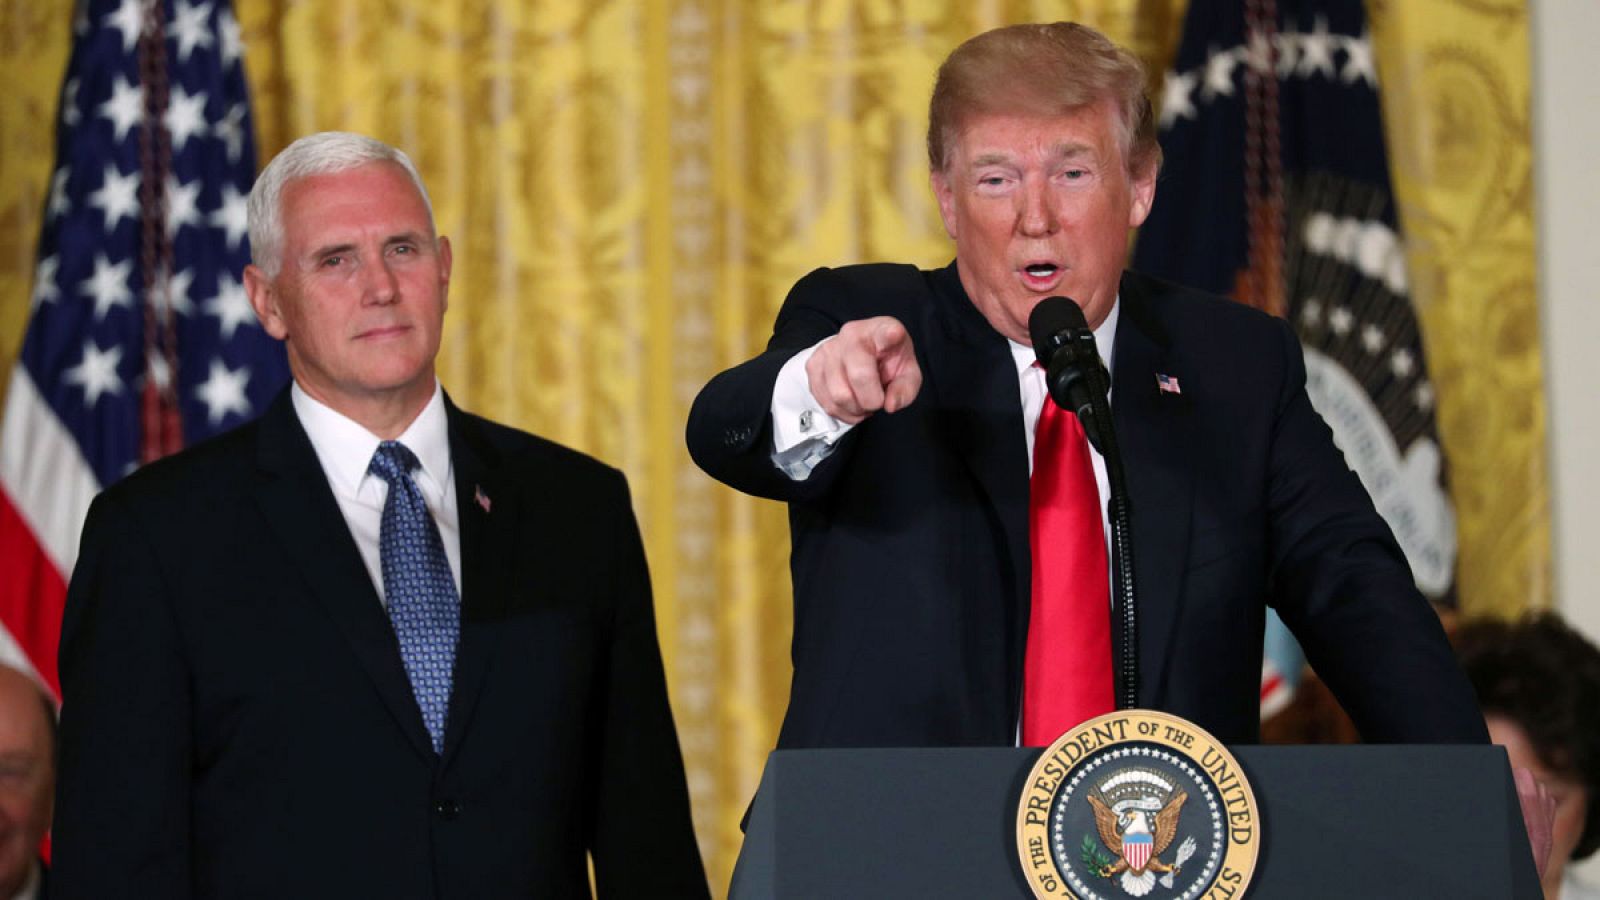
[
  {"x": 30, "y": 888},
  {"x": 1573, "y": 889},
  {"x": 803, "y": 435},
  {"x": 345, "y": 449}
]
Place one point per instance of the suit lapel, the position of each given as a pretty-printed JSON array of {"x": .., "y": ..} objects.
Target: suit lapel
[
  {"x": 300, "y": 508},
  {"x": 980, "y": 408},
  {"x": 1152, "y": 429},
  {"x": 488, "y": 512}
]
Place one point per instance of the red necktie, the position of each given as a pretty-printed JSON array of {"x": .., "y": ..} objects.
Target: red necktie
[{"x": 1067, "y": 672}]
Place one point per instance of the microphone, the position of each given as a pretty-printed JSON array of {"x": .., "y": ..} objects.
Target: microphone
[{"x": 1073, "y": 372}]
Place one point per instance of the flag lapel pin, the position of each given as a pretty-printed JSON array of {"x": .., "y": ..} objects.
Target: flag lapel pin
[
  {"x": 1167, "y": 384},
  {"x": 481, "y": 498}
]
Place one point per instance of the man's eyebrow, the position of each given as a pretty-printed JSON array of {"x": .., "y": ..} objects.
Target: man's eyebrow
[
  {"x": 991, "y": 159},
  {"x": 1073, "y": 150},
  {"x": 1062, "y": 151},
  {"x": 332, "y": 250},
  {"x": 404, "y": 237}
]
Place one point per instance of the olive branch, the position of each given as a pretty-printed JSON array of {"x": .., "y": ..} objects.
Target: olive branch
[{"x": 1094, "y": 856}]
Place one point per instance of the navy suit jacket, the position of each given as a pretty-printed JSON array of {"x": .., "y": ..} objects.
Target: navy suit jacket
[
  {"x": 910, "y": 557},
  {"x": 237, "y": 721}
]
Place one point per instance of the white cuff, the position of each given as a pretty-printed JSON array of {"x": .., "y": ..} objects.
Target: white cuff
[{"x": 802, "y": 434}]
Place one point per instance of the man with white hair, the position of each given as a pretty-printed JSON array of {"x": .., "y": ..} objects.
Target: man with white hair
[
  {"x": 369, "y": 645},
  {"x": 27, "y": 779}
]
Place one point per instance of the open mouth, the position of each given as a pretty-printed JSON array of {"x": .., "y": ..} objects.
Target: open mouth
[{"x": 1041, "y": 276}]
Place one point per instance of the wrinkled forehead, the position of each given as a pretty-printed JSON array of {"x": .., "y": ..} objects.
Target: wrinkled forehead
[{"x": 1088, "y": 132}]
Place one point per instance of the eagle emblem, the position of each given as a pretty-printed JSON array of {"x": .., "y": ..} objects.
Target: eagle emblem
[{"x": 1136, "y": 812}]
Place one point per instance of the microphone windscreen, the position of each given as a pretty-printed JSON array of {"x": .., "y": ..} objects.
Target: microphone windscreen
[{"x": 1052, "y": 317}]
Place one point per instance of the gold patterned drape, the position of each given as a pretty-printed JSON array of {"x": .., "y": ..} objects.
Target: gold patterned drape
[
  {"x": 632, "y": 186},
  {"x": 1456, "y": 95}
]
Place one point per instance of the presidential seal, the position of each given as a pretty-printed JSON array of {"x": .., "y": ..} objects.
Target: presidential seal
[{"x": 1137, "y": 804}]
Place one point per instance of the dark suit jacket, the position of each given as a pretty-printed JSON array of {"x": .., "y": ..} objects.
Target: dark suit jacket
[
  {"x": 910, "y": 554},
  {"x": 237, "y": 721}
]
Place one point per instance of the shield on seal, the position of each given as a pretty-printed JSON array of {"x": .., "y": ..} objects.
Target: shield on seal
[{"x": 1136, "y": 848}]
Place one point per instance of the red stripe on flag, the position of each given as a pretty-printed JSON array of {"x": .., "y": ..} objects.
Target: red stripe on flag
[
  {"x": 1271, "y": 684},
  {"x": 32, "y": 593}
]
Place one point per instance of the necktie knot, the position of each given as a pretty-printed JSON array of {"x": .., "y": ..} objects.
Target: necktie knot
[{"x": 393, "y": 462}]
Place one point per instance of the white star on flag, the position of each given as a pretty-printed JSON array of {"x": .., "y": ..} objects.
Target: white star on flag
[
  {"x": 228, "y": 129},
  {"x": 191, "y": 27},
  {"x": 1358, "y": 61},
  {"x": 1316, "y": 50},
  {"x": 70, "y": 113},
  {"x": 1259, "y": 52},
  {"x": 160, "y": 372},
  {"x": 183, "y": 204},
  {"x": 186, "y": 116},
  {"x": 60, "y": 203},
  {"x": 96, "y": 373},
  {"x": 232, "y": 44},
  {"x": 118, "y": 197},
  {"x": 44, "y": 281},
  {"x": 1288, "y": 45},
  {"x": 125, "y": 106},
  {"x": 1176, "y": 102},
  {"x": 1219, "y": 74},
  {"x": 231, "y": 306},
  {"x": 175, "y": 295},
  {"x": 231, "y": 216},
  {"x": 129, "y": 20},
  {"x": 108, "y": 285},
  {"x": 223, "y": 392}
]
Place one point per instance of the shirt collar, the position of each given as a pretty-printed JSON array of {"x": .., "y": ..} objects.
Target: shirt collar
[
  {"x": 345, "y": 448},
  {"x": 30, "y": 888},
  {"x": 1105, "y": 337}
]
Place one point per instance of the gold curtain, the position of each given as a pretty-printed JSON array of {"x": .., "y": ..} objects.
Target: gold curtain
[
  {"x": 1456, "y": 95},
  {"x": 632, "y": 186}
]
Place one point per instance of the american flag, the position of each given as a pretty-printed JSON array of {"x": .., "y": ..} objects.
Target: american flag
[
  {"x": 141, "y": 339},
  {"x": 1276, "y": 190}
]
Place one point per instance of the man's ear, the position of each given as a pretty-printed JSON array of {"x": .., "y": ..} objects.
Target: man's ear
[
  {"x": 446, "y": 259},
  {"x": 1144, "y": 195},
  {"x": 264, "y": 300},
  {"x": 945, "y": 194}
]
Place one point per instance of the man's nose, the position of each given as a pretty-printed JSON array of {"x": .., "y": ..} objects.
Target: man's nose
[
  {"x": 381, "y": 287},
  {"x": 1037, "y": 217}
]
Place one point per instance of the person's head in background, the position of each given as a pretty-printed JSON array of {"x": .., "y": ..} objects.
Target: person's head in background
[
  {"x": 27, "y": 775},
  {"x": 1538, "y": 682}
]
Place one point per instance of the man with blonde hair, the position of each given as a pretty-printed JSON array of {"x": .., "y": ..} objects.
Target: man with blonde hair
[
  {"x": 949, "y": 558},
  {"x": 369, "y": 645}
]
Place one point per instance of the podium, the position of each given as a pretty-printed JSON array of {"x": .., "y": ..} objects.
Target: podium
[{"x": 1338, "y": 822}]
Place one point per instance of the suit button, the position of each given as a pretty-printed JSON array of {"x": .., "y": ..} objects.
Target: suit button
[{"x": 447, "y": 809}]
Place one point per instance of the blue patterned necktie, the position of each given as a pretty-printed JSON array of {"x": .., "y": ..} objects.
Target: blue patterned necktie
[{"x": 417, "y": 586}]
